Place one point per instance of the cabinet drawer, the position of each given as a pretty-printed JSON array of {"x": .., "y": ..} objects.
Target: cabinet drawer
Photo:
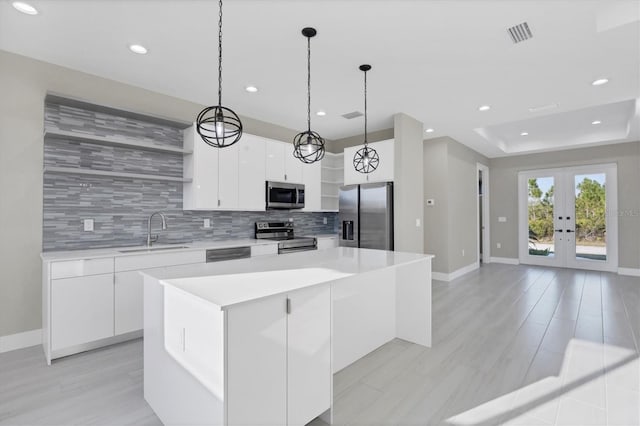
[
  {"x": 264, "y": 249},
  {"x": 79, "y": 268},
  {"x": 146, "y": 261}
]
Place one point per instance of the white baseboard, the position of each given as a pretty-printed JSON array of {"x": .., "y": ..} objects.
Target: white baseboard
[
  {"x": 20, "y": 340},
  {"x": 441, "y": 276},
  {"x": 506, "y": 260},
  {"x": 629, "y": 271}
]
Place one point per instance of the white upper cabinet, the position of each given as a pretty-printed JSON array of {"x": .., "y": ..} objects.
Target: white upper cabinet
[
  {"x": 311, "y": 175},
  {"x": 251, "y": 173},
  {"x": 202, "y": 168},
  {"x": 281, "y": 165},
  {"x": 231, "y": 178},
  {"x": 384, "y": 172}
]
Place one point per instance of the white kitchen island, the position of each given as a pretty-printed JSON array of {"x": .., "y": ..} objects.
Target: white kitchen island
[{"x": 256, "y": 341}]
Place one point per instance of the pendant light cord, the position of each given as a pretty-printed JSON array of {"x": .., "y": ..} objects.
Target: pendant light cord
[
  {"x": 220, "y": 54},
  {"x": 309, "y": 84},
  {"x": 365, "y": 109}
]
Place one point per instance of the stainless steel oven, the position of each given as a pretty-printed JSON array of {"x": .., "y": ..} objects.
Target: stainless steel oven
[
  {"x": 283, "y": 233},
  {"x": 281, "y": 195}
]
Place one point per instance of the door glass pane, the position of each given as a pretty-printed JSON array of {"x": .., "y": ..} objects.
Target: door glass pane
[
  {"x": 590, "y": 214},
  {"x": 540, "y": 212}
]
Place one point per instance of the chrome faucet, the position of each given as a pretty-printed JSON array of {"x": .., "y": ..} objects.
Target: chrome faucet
[{"x": 152, "y": 239}]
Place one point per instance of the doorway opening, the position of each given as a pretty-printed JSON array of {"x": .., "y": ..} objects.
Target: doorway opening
[
  {"x": 482, "y": 207},
  {"x": 564, "y": 217}
]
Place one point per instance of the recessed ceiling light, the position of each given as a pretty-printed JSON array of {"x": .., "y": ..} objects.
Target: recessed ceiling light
[
  {"x": 321, "y": 113},
  {"x": 251, "y": 89},
  {"x": 138, "y": 48},
  {"x": 25, "y": 8},
  {"x": 484, "y": 108},
  {"x": 600, "y": 81},
  {"x": 524, "y": 134},
  {"x": 429, "y": 130},
  {"x": 596, "y": 122}
]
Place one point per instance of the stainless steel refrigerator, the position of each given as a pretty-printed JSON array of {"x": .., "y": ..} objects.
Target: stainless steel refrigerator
[{"x": 366, "y": 216}]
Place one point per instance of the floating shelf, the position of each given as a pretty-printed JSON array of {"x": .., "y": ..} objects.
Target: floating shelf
[
  {"x": 88, "y": 172},
  {"x": 112, "y": 141}
]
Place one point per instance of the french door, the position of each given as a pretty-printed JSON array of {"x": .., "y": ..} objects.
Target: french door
[{"x": 568, "y": 217}]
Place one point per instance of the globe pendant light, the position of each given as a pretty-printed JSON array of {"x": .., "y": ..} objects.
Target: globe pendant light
[
  {"x": 219, "y": 126},
  {"x": 366, "y": 159},
  {"x": 308, "y": 146}
]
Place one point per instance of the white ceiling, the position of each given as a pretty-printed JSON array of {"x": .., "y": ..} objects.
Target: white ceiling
[{"x": 434, "y": 60}]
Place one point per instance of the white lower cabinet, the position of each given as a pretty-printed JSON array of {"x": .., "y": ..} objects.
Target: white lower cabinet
[
  {"x": 128, "y": 299},
  {"x": 81, "y": 310},
  {"x": 289, "y": 382},
  {"x": 326, "y": 243}
]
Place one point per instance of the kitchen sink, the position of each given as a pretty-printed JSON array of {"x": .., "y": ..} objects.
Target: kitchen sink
[{"x": 151, "y": 249}]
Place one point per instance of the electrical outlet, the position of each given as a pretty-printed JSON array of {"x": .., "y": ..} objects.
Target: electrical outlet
[
  {"x": 417, "y": 223},
  {"x": 462, "y": 252},
  {"x": 88, "y": 225},
  {"x": 498, "y": 245},
  {"x": 502, "y": 219},
  {"x": 324, "y": 220},
  {"x": 207, "y": 223},
  {"x": 290, "y": 219}
]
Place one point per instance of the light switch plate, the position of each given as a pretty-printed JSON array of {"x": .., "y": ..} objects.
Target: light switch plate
[
  {"x": 417, "y": 223},
  {"x": 207, "y": 223},
  {"x": 88, "y": 225},
  {"x": 502, "y": 219},
  {"x": 324, "y": 220}
]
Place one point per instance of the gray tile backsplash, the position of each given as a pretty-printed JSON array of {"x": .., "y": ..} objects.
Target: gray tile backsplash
[{"x": 120, "y": 206}]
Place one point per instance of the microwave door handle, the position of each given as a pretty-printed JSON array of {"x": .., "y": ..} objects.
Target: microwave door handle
[{"x": 297, "y": 197}]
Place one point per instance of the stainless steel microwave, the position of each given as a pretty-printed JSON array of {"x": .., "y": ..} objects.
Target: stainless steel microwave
[{"x": 281, "y": 195}]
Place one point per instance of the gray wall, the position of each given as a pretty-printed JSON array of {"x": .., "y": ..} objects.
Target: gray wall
[
  {"x": 504, "y": 194},
  {"x": 450, "y": 178},
  {"x": 408, "y": 194},
  {"x": 436, "y": 229},
  {"x": 338, "y": 145},
  {"x": 23, "y": 85}
]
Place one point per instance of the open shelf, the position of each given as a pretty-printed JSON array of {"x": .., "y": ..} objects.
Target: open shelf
[
  {"x": 89, "y": 172},
  {"x": 112, "y": 141}
]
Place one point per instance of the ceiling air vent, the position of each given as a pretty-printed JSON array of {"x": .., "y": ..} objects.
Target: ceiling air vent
[
  {"x": 352, "y": 115},
  {"x": 520, "y": 32}
]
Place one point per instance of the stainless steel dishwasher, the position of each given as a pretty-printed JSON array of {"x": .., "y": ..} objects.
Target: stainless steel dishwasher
[{"x": 229, "y": 253}]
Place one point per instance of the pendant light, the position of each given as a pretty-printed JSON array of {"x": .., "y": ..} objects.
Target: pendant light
[
  {"x": 366, "y": 159},
  {"x": 308, "y": 146},
  {"x": 219, "y": 126}
]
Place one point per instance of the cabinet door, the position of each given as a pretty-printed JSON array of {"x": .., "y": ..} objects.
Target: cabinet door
[
  {"x": 202, "y": 168},
  {"x": 312, "y": 186},
  {"x": 81, "y": 310},
  {"x": 293, "y": 168},
  {"x": 385, "y": 170},
  {"x": 351, "y": 176},
  {"x": 252, "y": 173},
  {"x": 274, "y": 161},
  {"x": 228, "y": 177},
  {"x": 128, "y": 301},
  {"x": 257, "y": 363},
  {"x": 309, "y": 354}
]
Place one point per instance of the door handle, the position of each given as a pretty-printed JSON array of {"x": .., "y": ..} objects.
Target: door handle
[
  {"x": 568, "y": 230},
  {"x": 558, "y": 230}
]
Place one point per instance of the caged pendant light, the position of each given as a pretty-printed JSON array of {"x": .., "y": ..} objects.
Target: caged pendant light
[
  {"x": 366, "y": 159},
  {"x": 308, "y": 146},
  {"x": 219, "y": 126}
]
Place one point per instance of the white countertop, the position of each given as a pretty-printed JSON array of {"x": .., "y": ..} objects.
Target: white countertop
[
  {"x": 125, "y": 251},
  {"x": 237, "y": 281}
]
